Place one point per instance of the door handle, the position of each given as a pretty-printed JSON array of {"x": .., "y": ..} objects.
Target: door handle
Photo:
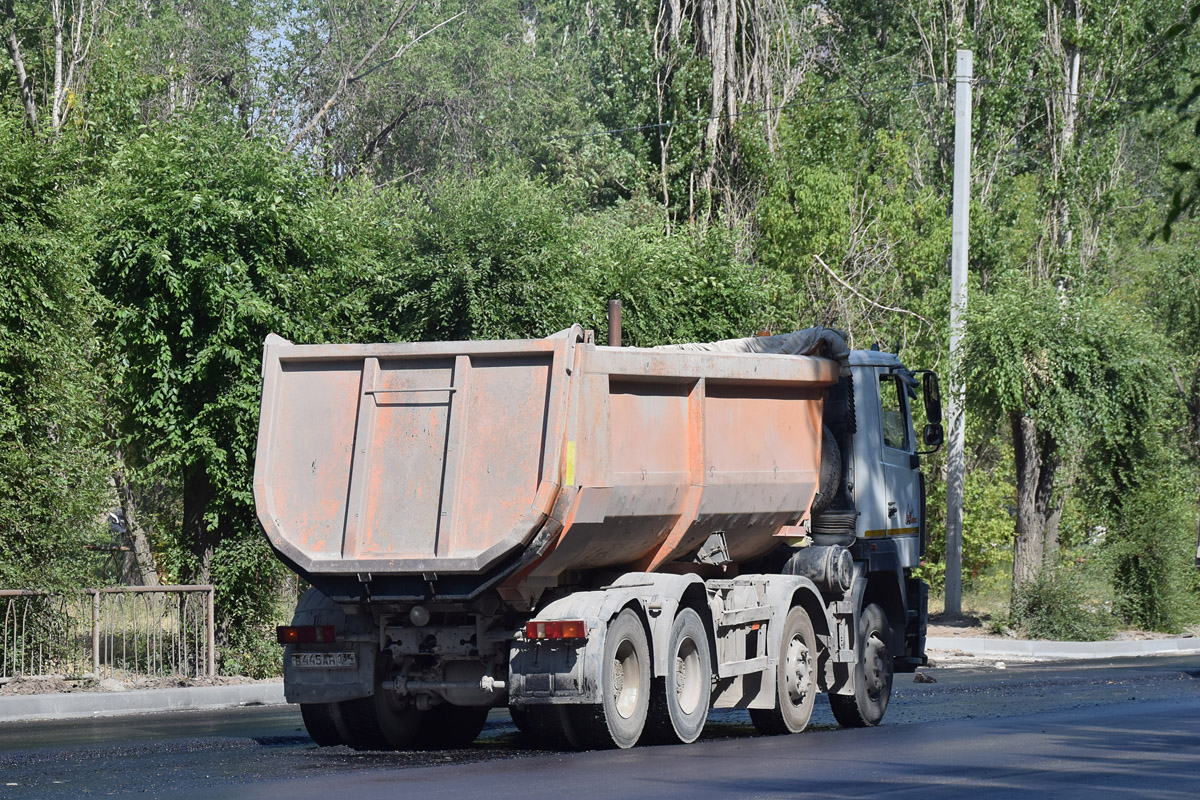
[{"x": 891, "y": 508}]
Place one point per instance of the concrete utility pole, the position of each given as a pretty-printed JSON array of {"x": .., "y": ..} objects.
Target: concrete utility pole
[{"x": 955, "y": 405}]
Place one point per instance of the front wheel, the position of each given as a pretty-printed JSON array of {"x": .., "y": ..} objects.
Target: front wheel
[
  {"x": 872, "y": 674},
  {"x": 795, "y": 681}
]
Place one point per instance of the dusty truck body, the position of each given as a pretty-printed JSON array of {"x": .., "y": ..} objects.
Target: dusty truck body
[{"x": 611, "y": 541}]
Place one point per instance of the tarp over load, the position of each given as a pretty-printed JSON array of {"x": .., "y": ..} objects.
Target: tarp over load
[{"x": 824, "y": 342}]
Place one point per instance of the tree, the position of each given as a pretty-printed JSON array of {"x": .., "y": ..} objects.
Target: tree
[
  {"x": 50, "y": 50},
  {"x": 1075, "y": 378},
  {"x": 53, "y": 464},
  {"x": 200, "y": 237}
]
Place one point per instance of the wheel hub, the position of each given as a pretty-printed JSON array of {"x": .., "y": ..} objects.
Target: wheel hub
[
  {"x": 799, "y": 672},
  {"x": 876, "y": 667},
  {"x": 626, "y": 682}
]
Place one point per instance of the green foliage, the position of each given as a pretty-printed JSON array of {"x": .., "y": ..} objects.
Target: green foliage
[
  {"x": 209, "y": 241},
  {"x": 196, "y": 236},
  {"x": 1057, "y": 605},
  {"x": 988, "y": 504},
  {"x": 250, "y": 583},
  {"x": 1086, "y": 368},
  {"x": 1150, "y": 550},
  {"x": 53, "y": 457},
  {"x": 506, "y": 257},
  {"x": 688, "y": 287},
  {"x": 848, "y": 200}
]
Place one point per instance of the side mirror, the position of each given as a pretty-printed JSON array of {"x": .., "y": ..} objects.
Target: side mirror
[
  {"x": 933, "y": 400},
  {"x": 933, "y": 434}
]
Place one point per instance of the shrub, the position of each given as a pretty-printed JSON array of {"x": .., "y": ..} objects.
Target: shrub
[
  {"x": 1150, "y": 556},
  {"x": 1056, "y": 605}
]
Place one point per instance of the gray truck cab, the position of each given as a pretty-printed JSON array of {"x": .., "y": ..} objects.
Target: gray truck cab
[{"x": 877, "y": 511}]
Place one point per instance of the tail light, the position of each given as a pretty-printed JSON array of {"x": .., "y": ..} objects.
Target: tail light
[
  {"x": 304, "y": 634},
  {"x": 556, "y": 629}
]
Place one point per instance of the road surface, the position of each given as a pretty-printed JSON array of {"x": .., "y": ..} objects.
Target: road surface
[{"x": 1089, "y": 730}]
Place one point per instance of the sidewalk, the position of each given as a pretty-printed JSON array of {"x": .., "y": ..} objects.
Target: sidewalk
[
  {"x": 1031, "y": 648},
  {"x": 78, "y": 705}
]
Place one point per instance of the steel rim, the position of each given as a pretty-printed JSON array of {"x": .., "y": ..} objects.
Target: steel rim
[
  {"x": 687, "y": 676},
  {"x": 799, "y": 678},
  {"x": 627, "y": 679},
  {"x": 877, "y": 669}
]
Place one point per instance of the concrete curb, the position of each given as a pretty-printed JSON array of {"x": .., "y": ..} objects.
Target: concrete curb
[
  {"x": 76, "y": 705},
  {"x": 982, "y": 646}
]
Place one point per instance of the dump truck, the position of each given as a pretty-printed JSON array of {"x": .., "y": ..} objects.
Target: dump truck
[{"x": 610, "y": 541}]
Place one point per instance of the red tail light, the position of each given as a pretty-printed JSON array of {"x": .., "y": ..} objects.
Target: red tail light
[
  {"x": 304, "y": 634},
  {"x": 556, "y": 629}
]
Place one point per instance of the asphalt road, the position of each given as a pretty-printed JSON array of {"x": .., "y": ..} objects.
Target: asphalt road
[{"x": 1094, "y": 729}]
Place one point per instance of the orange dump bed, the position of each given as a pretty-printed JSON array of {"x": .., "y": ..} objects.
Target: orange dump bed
[{"x": 450, "y": 457}]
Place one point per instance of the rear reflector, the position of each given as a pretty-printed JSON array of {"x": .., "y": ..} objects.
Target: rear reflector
[
  {"x": 304, "y": 634},
  {"x": 556, "y": 629}
]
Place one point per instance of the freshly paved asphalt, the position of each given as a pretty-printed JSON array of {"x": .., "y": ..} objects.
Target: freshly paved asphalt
[{"x": 1094, "y": 729}]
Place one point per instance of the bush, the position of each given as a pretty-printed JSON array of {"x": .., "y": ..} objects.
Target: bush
[
  {"x": 1150, "y": 556},
  {"x": 1056, "y": 605}
]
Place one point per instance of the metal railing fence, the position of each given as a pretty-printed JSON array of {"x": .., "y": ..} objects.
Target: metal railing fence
[{"x": 121, "y": 632}]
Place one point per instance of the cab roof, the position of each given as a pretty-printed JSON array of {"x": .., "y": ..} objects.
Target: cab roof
[{"x": 873, "y": 358}]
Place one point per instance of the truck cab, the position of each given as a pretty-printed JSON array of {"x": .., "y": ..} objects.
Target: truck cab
[{"x": 881, "y": 495}]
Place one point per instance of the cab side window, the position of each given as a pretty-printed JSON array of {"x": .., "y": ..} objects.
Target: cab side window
[{"x": 895, "y": 421}]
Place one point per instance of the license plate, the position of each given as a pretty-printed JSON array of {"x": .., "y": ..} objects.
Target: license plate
[{"x": 324, "y": 660}]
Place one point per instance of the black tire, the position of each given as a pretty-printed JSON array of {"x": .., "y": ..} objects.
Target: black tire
[
  {"x": 321, "y": 723},
  {"x": 362, "y": 724},
  {"x": 448, "y": 727},
  {"x": 520, "y": 718},
  {"x": 680, "y": 700},
  {"x": 795, "y": 679},
  {"x": 620, "y": 718},
  {"x": 550, "y": 727},
  {"x": 872, "y": 674},
  {"x": 831, "y": 471},
  {"x": 382, "y": 721},
  {"x": 398, "y": 720}
]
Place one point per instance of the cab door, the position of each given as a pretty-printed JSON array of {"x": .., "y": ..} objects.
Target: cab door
[{"x": 901, "y": 474}]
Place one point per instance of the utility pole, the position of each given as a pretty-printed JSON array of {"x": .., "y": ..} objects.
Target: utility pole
[{"x": 956, "y": 397}]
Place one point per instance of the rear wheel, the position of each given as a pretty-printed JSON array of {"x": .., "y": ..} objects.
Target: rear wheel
[
  {"x": 795, "y": 679},
  {"x": 549, "y": 727},
  {"x": 520, "y": 718},
  {"x": 383, "y": 721},
  {"x": 679, "y": 705},
  {"x": 620, "y": 717},
  {"x": 362, "y": 728},
  {"x": 321, "y": 722},
  {"x": 872, "y": 674},
  {"x": 398, "y": 720},
  {"x": 448, "y": 727}
]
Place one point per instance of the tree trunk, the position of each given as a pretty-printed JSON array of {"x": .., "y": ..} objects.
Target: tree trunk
[
  {"x": 202, "y": 538},
  {"x": 717, "y": 24},
  {"x": 24, "y": 85},
  {"x": 1039, "y": 500},
  {"x": 1029, "y": 545},
  {"x": 144, "y": 569}
]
